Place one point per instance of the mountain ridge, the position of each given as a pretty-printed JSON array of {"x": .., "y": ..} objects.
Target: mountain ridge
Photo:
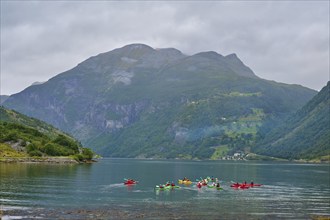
[{"x": 138, "y": 101}]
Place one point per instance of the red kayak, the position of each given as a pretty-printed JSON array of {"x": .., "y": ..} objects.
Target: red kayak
[
  {"x": 244, "y": 185},
  {"x": 235, "y": 185},
  {"x": 130, "y": 182},
  {"x": 239, "y": 186}
]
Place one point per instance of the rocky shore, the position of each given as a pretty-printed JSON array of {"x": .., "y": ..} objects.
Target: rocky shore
[
  {"x": 159, "y": 212},
  {"x": 56, "y": 160}
]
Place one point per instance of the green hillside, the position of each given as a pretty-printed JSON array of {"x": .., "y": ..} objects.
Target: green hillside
[
  {"x": 22, "y": 136},
  {"x": 305, "y": 135},
  {"x": 137, "y": 101}
]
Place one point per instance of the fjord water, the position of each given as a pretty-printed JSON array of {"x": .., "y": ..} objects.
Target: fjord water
[{"x": 289, "y": 191}]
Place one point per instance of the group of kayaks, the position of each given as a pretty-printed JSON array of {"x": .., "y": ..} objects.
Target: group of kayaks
[{"x": 208, "y": 182}]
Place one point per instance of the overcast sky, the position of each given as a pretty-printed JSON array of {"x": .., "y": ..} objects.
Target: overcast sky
[{"x": 285, "y": 41}]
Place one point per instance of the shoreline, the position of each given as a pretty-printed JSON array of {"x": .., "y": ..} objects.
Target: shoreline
[
  {"x": 49, "y": 160},
  {"x": 69, "y": 160}
]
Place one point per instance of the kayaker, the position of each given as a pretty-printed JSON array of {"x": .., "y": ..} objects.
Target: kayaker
[
  {"x": 218, "y": 185},
  {"x": 252, "y": 183}
]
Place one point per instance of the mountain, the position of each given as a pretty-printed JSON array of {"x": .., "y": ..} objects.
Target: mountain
[
  {"x": 22, "y": 136},
  {"x": 305, "y": 135},
  {"x": 36, "y": 83},
  {"x": 3, "y": 98},
  {"x": 137, "y": 101}
]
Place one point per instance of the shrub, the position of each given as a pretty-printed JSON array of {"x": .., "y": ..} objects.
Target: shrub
[
  {"x": 65, "y": 141},
  {"x": 31, "y": 147},
  {"x": 57, "y": 150},
  {"x": 12, "y": 136},
  {"x": 35, "y": 153},
  {"x": 51, "y": 150},
  {"x": 78, "y": 157},
  {"x": 87, "y": 153}
]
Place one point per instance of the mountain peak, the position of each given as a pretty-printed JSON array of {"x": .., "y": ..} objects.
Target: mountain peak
[
  {"x": 138, "y": 46},
  {"x": 133, "y": 50},
  {"x": 238, "y": 66},
  {"x": 209, "y": 54},
  {"x": 232, "y": 56}
]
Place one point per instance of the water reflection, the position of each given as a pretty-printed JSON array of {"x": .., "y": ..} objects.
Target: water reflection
[
  {"x": 31, "y": 184},
  {"x": 33, "y": 170}
]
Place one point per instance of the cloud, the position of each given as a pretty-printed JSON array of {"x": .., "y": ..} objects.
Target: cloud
[{"x": 286, "y": 41}]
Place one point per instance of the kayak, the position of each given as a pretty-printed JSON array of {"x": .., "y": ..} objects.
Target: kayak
[
  {"x": 162, "y": 187},
  {"x": 200, "y": 184},
  {"x": 185, "y": 182},
  {"x": 214, "y": 187},
  {"x": 207, "y": 179},
  {"x": 130, "y": 182},
  {"x": 240, "y": 187},
  {"x": 166, "y": 187},
  {"x": 244, "y": 186}
]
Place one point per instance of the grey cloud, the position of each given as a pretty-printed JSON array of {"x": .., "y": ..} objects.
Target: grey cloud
[{"x": 286, "y": 41}]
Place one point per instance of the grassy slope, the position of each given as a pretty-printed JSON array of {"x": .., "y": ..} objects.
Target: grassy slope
[{"x": 24, "y": 136}]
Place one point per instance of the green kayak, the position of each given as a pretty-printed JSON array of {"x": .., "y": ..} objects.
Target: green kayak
[
  {"x": 212, "y": 187},
  {"x": 164, "y": 187}
]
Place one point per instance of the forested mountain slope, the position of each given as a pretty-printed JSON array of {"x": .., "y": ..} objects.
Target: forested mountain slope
[{"x": 304, "y": 135}]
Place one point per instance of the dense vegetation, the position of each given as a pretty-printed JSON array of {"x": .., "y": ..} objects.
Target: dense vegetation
[
  {"x": 136, "y": 101},
  {"x": 306, "y": 134},
  {"x": 21, "y": 136}
]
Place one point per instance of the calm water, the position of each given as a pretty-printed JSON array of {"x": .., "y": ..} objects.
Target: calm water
[{"x": 290, "y": 191}]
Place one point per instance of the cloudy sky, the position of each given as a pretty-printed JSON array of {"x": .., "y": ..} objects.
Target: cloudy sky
[{"x": 285, "y": 41}]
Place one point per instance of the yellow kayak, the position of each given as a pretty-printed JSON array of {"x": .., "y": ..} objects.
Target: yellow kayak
[{"x": 185, "y": 182}]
